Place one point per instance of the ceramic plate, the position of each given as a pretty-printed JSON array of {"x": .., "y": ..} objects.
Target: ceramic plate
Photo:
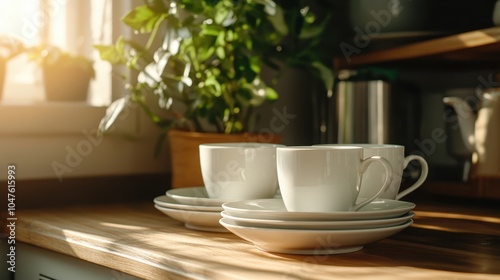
[
  {"x": 169, "y": 202},
  {"x": 194, "y": 196},
  {"x": 282, "y": 224},
  {"x": 308, "y": 242},
  {"x": 198, "y": 220},
  {"x": 274, "y": 209}
]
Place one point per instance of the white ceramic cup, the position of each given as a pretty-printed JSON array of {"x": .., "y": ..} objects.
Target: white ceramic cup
[
  {"x": 239, "y": 170},
  {"x": 373, "y": 177},
  {"x": 325, "y": 179}
]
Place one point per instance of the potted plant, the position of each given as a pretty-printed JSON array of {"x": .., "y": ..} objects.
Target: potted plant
[
  {"x": 66, "y": 76},
  {"x": 9, "y": 48},
  {"x": 202, "y": 62}
]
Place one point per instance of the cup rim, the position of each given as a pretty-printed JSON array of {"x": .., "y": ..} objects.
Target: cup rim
[
  {"x": 319, "y": 148},
  {"x": 240, "y": 145},
  {"x": 362, "y": 145}
]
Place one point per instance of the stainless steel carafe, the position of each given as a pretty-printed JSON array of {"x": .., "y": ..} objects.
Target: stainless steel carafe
[
  {"x": 361, "y": 112},
  {"x": 372, "y": 108}
]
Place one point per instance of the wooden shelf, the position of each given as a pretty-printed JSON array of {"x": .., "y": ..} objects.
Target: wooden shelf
[
  {"x": 468, "y": 50},
  {"x": 479, "y": 47}
]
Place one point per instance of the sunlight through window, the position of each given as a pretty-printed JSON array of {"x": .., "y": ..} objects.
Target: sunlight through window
[{"x": 74, "y": 26}]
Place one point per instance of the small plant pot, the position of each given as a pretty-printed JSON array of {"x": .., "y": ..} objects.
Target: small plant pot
[
  {"x": 65, "y": 82},
  {"x": 185, "y": 155}
]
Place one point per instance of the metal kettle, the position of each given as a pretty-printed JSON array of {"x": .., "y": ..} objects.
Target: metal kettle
[
  {"x": 370, "y": 106},
  {"x": 481, "y": 133}
]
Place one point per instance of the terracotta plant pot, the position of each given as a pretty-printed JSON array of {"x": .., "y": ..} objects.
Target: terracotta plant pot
[{"x": 185, "y": 157}]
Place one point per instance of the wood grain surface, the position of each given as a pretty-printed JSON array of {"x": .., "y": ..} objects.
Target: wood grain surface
[{"x": 449, "y": 240}]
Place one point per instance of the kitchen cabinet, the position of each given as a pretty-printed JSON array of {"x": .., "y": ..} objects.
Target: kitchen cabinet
[
  {"x": 37, "y": 263},
  {"x": 472, "y": 50}
]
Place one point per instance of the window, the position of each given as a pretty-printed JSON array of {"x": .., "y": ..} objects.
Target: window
[
  {"x": 43, "y": 139},
  {"x": 72, "y": 25}
]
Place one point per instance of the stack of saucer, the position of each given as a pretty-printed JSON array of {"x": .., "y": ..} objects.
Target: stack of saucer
[
  {"x": 270, "y": 227},
  {"x": 193, "y": 207}
]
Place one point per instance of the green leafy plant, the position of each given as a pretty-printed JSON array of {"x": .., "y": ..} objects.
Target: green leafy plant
[{"x": 202, "y": 59}]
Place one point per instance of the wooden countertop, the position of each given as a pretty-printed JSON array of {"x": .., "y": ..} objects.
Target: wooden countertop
[{"x": 459, "y": 240}]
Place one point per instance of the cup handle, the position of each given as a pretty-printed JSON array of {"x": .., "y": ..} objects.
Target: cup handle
[
  {"x": 421, "y": 179},
  {"x": 387, "y": 182}
]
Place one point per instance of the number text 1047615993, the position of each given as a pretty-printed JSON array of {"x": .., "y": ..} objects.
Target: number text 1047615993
[{"x": 11, "y": 218}]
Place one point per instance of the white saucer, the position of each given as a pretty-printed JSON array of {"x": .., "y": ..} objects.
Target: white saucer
[
  {"x": 317, "y": 225},
  {"x": 274, "y": 209},
  {"x": 309, "y": 242},
  {"x": 198, "y": 220},
  {"x": 194, "y": 196},
  {"x": 169, "y": 202}
]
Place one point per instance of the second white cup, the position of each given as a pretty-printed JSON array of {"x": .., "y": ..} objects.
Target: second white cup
[
  {"x": 395, "y": 154},
  {"x": 239, "y": 171},
  {"x": 325, "y": 179}
]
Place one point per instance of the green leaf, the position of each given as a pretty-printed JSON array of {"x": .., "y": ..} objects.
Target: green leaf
[
  {"x": 313, "y": 31},
  {"x": 210, "y": 30},
  {"x": 212, "y": 81},
  {"x": 325, "y": 73},
  {"x": 255, "y": 64},
  {"x": 271, "y": 94},
  {"x": 110, "y": 54},
  {"x": 205, "y": 54},
  {"x": 156, "y": 23},
  {"x": 161, "y": 59},
  {"x": 221, "y": 15},
  {"x": 142, "y": 18},
  {"x": 278, "y": 21},
  {"x": 115, "y": 54},
  {"x": 112, "y": 113},
  {"x": 149, "y": 75},
  {"x": 221, "y": 38},
  {"x": 220, "y": 53},
  {"x": 270, "y": 6}
]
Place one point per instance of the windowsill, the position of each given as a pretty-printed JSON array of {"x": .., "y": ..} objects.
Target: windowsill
[
  {"x": 48, "y": 117},
  {"x": 59, "y": 140}
]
